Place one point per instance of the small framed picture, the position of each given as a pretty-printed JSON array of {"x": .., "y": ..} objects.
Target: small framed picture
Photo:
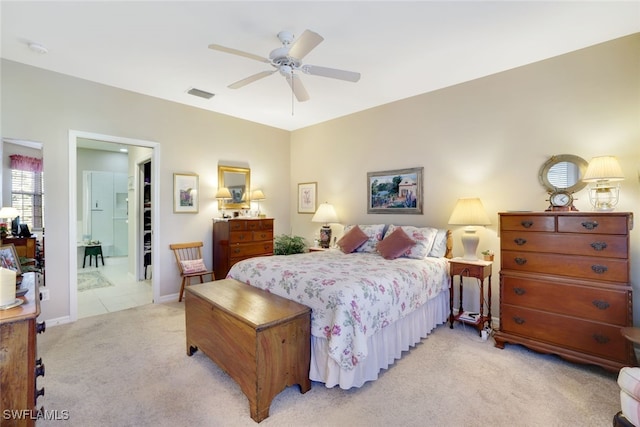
[
  {"x": 185, "y": 193},
  {"x": 307, "y": 197},
  {"x": 9, "y": 258}
]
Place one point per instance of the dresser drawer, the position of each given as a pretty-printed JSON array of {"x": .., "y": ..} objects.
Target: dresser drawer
[
  {"x": 250, "y": 224},
  {"x": 599, "y": 339},
  {"x": 600, "y": 245},
  {"x": 250, "y": 236},
  {"x": 598, "y": 304},
  {"x": 593, "y": 224},
  {"x": 604, "y": 269},
  {"x": 251, "y": 249},
  {"x": 528, "y": 223}
]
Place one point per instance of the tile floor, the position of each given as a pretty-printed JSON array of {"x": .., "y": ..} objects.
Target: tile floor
[{"x": 126, "y": 293}]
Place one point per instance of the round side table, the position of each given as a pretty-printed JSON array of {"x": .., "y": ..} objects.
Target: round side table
[{"x": 631, "y": 333}]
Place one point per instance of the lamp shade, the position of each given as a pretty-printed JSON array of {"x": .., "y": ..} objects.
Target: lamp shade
[
  {"x": 325, "y": 214},
  {"x": 257, "y": 195},
  {"x": 603, "y": 168},
  {"x": 8, "y": 212},
  {"x": 469, "y": 211},
  {"x": 223, "y": 193}
]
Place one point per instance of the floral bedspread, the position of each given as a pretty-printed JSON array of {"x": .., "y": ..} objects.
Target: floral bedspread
[{"x": 351, "y": 296}]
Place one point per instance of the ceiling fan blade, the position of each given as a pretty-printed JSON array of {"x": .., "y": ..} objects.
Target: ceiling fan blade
[
  {"x": 250, "y": 79},
  {"x": 298, "y": 88},
  {"x": 333, "y": 73},
  {"x": 238, "y": 52},
  {"x": 305, "y": 44}
]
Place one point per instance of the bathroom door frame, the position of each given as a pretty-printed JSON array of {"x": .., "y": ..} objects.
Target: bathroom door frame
[{"x": 74, "y": 135}]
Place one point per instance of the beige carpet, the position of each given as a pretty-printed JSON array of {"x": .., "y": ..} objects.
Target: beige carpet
[{"x": 130, "y": 368}]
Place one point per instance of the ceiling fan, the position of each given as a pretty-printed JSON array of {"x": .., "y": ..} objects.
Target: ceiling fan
[{"x": 288, "y": 60}]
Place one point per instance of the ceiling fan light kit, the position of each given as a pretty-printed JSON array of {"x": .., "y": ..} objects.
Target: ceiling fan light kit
[{"x": 288, "y": 60}]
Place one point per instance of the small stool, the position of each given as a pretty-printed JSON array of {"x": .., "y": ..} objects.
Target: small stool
[{"x": 94, "y": 250}]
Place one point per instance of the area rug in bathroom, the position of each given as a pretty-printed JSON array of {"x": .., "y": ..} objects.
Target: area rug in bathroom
[{"x": 92, "y": 280}]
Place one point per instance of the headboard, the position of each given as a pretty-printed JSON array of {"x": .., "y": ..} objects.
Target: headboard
[{"x": 449, "y": 252}]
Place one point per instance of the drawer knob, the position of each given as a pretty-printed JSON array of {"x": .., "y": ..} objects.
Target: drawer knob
[
  {"x": 40, "y": 371},
  {"x": 41, "y": 327},
  {"x": 520, "y": 241},
  {"x": 590, "y": 225},
  {"x": 600, "y": 339},
  {"x": 599, "y": 269},
  {"x": 520, "y": 261},
  {"x": 527, "y": 224},
  {"x": 599, "y": 246},
  {"x": 518, "y": 320},
  {"x": 39, "y": 393},
  {"x": 601, "y": 305},
  {"x": 237, "y": 250},
  {"x": 519, "y": 291}
]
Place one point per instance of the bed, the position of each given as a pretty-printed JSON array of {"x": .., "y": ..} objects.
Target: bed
[{"x": 366, "y": 310}]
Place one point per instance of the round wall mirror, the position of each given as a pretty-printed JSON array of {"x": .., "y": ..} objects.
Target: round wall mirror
[{"x": 563, "y": 172}]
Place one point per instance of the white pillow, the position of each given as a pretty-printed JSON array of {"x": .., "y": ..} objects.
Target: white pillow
[
  {"x": 374, "y": 233},
  {"x": 423, "y": 236},
  {"x": 439, "y": 248}
]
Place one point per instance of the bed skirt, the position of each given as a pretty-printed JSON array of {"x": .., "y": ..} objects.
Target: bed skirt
[{"x": 384, "y": 347}]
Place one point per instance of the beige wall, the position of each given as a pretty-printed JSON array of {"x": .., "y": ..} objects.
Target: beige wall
[
  {"x": 485, "y": 138},
  {"x": 42, "y": 106}
]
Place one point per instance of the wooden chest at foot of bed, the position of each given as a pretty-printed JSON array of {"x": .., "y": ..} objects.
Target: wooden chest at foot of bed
[{"x": 261, "y": 340}]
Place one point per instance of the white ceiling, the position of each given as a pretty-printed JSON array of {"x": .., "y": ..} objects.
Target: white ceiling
[{"x": 402, "y": 49}]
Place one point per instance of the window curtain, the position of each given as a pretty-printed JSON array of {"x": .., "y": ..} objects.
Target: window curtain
[{"x": 26, "y": 163}]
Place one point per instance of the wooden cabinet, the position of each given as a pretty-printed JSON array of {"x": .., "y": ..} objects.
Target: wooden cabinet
[
  {"x": 19, "y": 366},
  {"x": 564, "y": 285},
  {"x": 240, "y": 238},
  {"x": 25, "y": 246}
]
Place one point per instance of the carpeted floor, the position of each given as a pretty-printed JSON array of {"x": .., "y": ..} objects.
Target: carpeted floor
[
  {"x": 92, "y": 280},
  {"x": 130, "y": 368}
]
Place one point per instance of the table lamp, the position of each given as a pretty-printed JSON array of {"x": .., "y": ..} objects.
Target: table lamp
[
  {"x": 325, "y": 214},
  {"x": 258, "y": 195},
  {"x": 602, "y": 172},
  {"x": 223, "y": 194},
  {"x": 470, "y": 213}
]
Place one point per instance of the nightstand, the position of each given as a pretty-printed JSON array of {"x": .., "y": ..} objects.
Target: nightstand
[{"x": 481, "y": 270}]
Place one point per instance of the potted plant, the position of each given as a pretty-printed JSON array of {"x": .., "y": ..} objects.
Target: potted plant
[
  {"x": 487, "y": 254},
  {"x": 289, "y": 245}
]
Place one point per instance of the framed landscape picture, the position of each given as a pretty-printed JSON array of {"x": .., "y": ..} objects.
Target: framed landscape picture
[
  {"x": 185, "y": 193},
  {"x": 395, "y": 191},
  {"x": 307, "y": 197}
]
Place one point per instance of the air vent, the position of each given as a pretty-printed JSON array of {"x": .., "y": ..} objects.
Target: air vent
[{"x": 201, "y": 93}]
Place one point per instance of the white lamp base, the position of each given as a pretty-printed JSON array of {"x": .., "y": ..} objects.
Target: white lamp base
[{"x": 470, "y": 244}]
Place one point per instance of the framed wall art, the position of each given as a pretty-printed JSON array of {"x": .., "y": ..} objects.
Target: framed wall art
[
  {"x": 395, "y": 191},
  {"x": 307, "y": 197},
  {"x": 185, "y": 193},
  {"x": 9, "y": 258}
]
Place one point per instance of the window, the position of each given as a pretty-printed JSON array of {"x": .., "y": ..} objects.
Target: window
[{"x": 26, "y": 190}]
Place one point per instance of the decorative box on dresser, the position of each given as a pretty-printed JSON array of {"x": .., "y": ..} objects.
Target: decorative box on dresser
[
  {"x": 564, "y": 285},
  {"x": 240, "y": 238},
  {"x": 19, "y": 365}
]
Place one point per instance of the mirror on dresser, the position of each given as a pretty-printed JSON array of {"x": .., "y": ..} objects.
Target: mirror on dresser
[
  {"x": 237, "y": 180},
  {"x": 561, "y": 176}
]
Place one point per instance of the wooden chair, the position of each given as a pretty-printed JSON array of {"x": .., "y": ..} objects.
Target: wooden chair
[{"x": 189, "y": 252}]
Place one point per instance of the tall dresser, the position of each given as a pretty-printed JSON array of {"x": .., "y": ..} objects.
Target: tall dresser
[
  {"x": 240, "y": 238},
  {"x": 564, "y": 285},
  {"x": 19, "y": 366}
]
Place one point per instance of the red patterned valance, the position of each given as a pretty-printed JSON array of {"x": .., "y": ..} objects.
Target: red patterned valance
[{"x": 25, "y": 163}]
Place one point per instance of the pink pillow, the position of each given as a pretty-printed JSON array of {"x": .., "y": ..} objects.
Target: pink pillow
[
  {"x": 352, "y": 239},
  {"x": 395, "y": 245},
  {"x": 191, "y": 266}
]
